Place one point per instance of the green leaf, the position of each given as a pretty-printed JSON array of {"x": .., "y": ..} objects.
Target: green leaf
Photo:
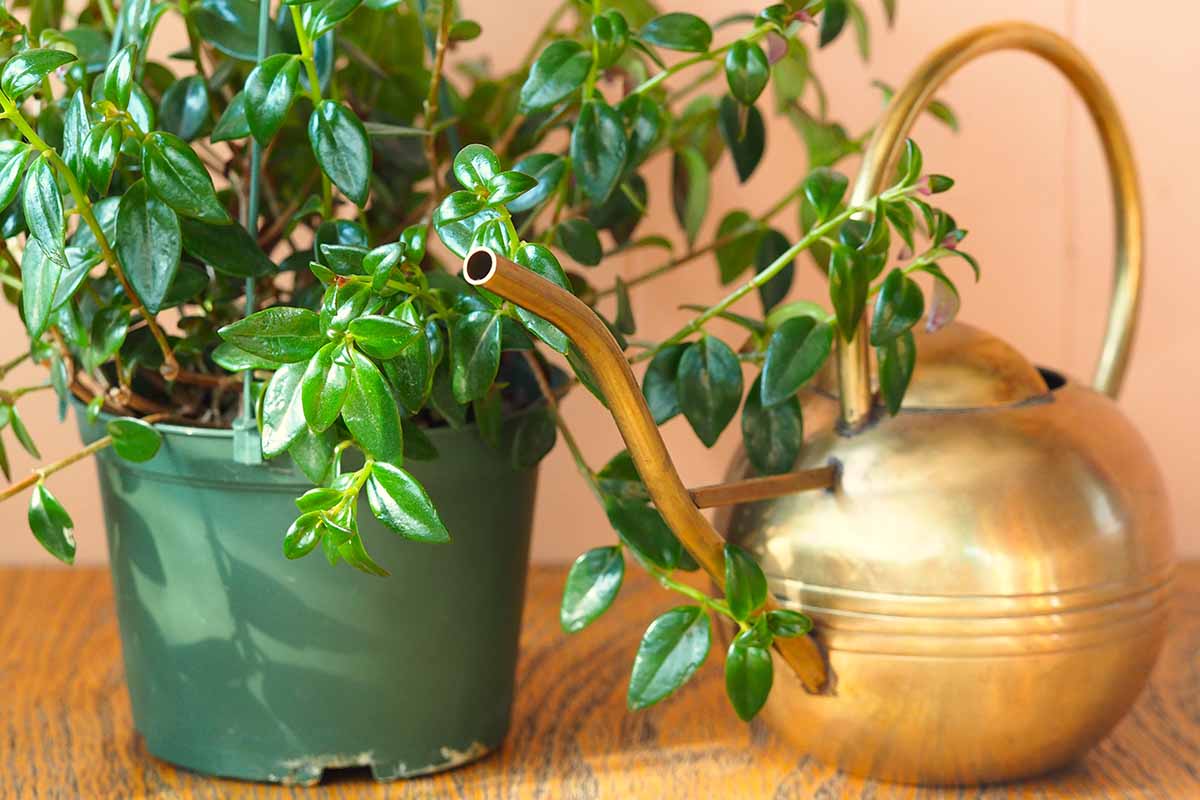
[
  {"x": 911, "y": 164},
  {"x": 22, "y": 433},
  {"x": 579, "y": 238},
  {"x": 598, "y": 150},
  {"x": 180, "y": 180},
  {"x": 303, "y": 535},
  {"x": 51, "y": 524},
  {"x": 321, "y": 16},
  {"x": 385, "y": 337},
  {"x": 899, "y": 306},
  {"x": 401, "y": 503},
  {"x": 710, "y": 387},
  {"x": 76, "y": 125},
  {"x": 235, "y": 359},
  {"x": 897, "y": 359},
  {"x": 745, "y": 136},
  {"x": 847, "y": 290},
  {"x": 659, "y": 384},
  {"x": 785, "y": 623},
  {"x": 824, "y": 189},
  {"x": 102, "y": 147},
  {"x": 229, "y": 249},
  {"x": 370, "y": 411},
  {"x": 671, "y": 650},
  {"x": 410, "y": 369},
  {"x": 645, "y": 125},
  {"x": 643, "y": 530},
  {"x": 833, "y": 20},
  {"x": 772, "y": 435},
  {"x": 270, "y": 91},
  {"x": 734, "y": 257},
  {"x": 313, "y": 452},
  {"x": 474, "y": 354},
  {"x": 548, "y": 170},
  {"x": 690, "y": 189},
  {"x": 559, "y": 70},
  {"x": 678, "y": 31},
  {"x": 772, "y": 247},
  {"x": 475, "y": 165},
  {"x": 283, "y": 410},
  {"x": 324, "y": 385},
  {"x": 118, "y": 77},
  {"x": 620, "y": 479},
  {"x": 795, "y": 353},
  {"x": 508, "y": 186},
  {"x": 14, "y": 155},
  {"x": 592, "y": 585},
  {"x": 459, "y": 205},
  {"x": 534, "y": 438},
  {"x": 611, "y": 32},
  {"x": 233, "y": 123},
  {"x": 747, "y": 71},
  {"x": 749, "y": 674},
  {"x": 624, "y": 319},
  {"x": 148, "y": 244},
  {"x": 281, "y": 334},
  {"x": 745, "y": 584},
  {"x": 940, "y": 183},
  {"x": 343, "y": 152},
  {"x": 184, "y": 108},
  {"x": 40, "y": 278},
  {"x": 43, "y": 209},
  {"x": 134, "y": 439},
  {"x": 25, "y": 71},
  {"x": 230, "y": 25},
  {"x": 541, "y": 261}
]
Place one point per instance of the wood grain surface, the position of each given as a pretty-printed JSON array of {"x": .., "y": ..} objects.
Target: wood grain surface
[{"x": 65, "y": 729}]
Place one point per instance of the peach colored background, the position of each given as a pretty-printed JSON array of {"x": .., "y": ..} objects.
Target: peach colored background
[{"x": 1031, "y": 188}]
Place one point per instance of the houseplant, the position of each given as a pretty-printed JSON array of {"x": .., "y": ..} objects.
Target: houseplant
[{"x": 367, "y": 352}]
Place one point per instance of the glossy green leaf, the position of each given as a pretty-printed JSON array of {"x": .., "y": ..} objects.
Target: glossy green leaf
[
  {"x": 743, "y": 233},
  {"x": 40, "y": 278},
  {"x": 270, "y": 91},
  {"x": 102, "y": 148},
  {"x": 643, "y": 530},
  {"x": 43, "y": 209},
  {"x": 534, "y": 438},
  {"x": 746, "y": 71},
  {"x": 749, "y": 674},
  {"x": 824, "y": 189},
  {"x": 25, "y": 71},
  {"x": 678, "y": 31},
  {"x": 176, "y": 175},
  {"x": 321, "y": 16},
  {"x": 370, "y": 411},
  {"x": 400, "y": 502},
  {"x": 14, "y": 155},
  {"x": 690, "y": 190},
  {"x": 475, "y": 166},
  {"x": 624, "y": 320},
  {"x": 148, "y": 244},
  {"x": 51, "y": 524},
  {"x": 911, "y": 164},
  {"x": 410, "y": 368},
  {"x": 847, "y": 290},
  {"x": 645, "y": 118},
  {"x": 283, "y": 410},
  {"x": 229, "y": 249},
  {"x": 230, "y": 26},
  {"x": 592, "y": 585},
  {"x": 343, "y": 152},
  {"x": 786, "y": 623},
  {"x": 384, "y": 337},
  {"x": 184, "y": 109},
  {"x": 598, "y": 150},
  {"x": 281, "y": 334},
  {"x": 833, "y": 20},
  {"x": 710, "y": 387},
  {"x": 76, "y": 125},
  {"x": 671, "y": 650},
  {"x": 745, "y": 584},
  {"x": 659, "y": 383},
  {"x": 459, "y": 205},
  {"x": 508, "y": 186},
  {"x": 475, "y": 354},
  {"x": 611, "y": 32},
  {"x": 228, "y": 356},
  {"x": 579, "y": 238},
  {"x": 303, "y": 535},
  {"x": 324, "y": 385},
  {"x": 118, "y": 77},
  {"x": 899, "y": 305},
  {"x": 771, "y": 247},
  {"x": 772, "y": 435},
  {"x": 548, "y": 170},
  {"x": 745, "y": 135},
  {"x": 134, "y": 439},
  {"x": 560, "y": 69},
  {"x": 897, "y": 359},
  {"x": 796, "y": 351},
  {"x": 233, "y": 123}
]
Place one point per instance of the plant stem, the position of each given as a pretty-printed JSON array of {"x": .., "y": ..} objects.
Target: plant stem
[
  {"x": 771, "y": 270},
  {"x": 432, "y": 98},
  {"x": 13, "y": 363},
  {"x": 170, "y": 366},
  {"x": 41, "y": 473},
  {"x": 700, "y": 58},
  {"x": 314, "y": 92},
  {"x": 106, "y": 13},
  {"x": 589, "y": 83}
]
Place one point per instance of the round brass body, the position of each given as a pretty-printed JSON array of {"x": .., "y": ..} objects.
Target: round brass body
[{"x": 989, "y": 585}]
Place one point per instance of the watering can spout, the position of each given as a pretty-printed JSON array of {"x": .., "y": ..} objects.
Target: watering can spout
[{"x": 679, "y": 507}]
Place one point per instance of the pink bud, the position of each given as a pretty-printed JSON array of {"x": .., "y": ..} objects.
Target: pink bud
[
  {"x": 805, "y": 17},
  {"x": 943, "y": 307},
  {"x": 904, "y": 253},
  {"x": 922, "y": 186},
  {"x": 950, "y": 242},
  {"x": 777, "y": 47}
]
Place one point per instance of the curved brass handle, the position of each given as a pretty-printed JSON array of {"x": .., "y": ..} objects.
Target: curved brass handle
[
  {"x": 888, "y": 141},
  {"x": 482, "y": 267}
]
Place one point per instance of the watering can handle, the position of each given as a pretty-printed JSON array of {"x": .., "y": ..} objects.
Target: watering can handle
[
  {"x": 888, "y": 141},
  {"x": 483, "y": 267}
]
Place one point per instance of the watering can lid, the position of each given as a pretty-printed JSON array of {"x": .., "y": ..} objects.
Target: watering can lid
[{"x": 962, "y": 366}]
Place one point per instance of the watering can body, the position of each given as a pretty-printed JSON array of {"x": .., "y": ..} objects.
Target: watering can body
[
  {"x": 988, "y": 580},
  {"x": 989, "y": 569}
]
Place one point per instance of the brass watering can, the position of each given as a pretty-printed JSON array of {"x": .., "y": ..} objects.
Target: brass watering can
[{"x": 989, "y": 570}]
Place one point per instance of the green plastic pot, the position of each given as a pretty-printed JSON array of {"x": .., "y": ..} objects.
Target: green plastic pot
[{"x": 243, "y": 664}]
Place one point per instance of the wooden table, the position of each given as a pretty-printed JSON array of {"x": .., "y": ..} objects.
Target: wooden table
[{"x": 65, "y": 729}]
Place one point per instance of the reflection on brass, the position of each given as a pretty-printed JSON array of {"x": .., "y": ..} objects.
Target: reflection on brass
[{"x": 990, "y": 570}]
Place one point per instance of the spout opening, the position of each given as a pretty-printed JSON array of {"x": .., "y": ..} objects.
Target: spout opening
[{"x": 479, "y": 266}]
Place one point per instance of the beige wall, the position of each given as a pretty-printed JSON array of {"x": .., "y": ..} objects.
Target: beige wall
[{"x": 1031, "y": 188}]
